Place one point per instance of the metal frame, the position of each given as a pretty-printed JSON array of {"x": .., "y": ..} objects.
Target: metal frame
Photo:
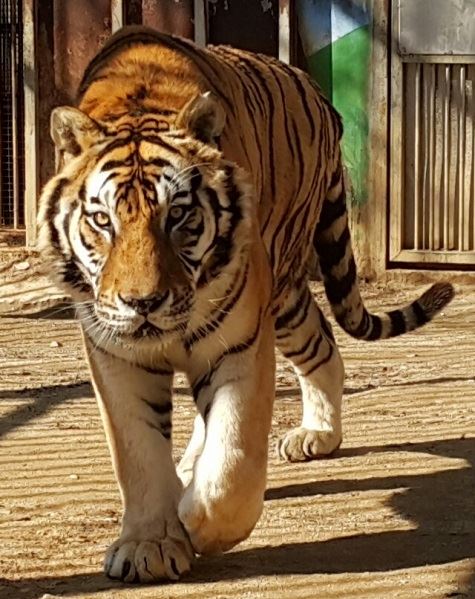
[
  {"x": 30, "y": 87},
  {"x": 397, "y": 253}
]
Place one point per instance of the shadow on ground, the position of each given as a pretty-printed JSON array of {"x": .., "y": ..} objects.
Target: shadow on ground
[{"x": 440, "y": 505}]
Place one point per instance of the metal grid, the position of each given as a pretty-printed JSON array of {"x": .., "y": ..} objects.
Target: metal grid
[{"x": 11, "y": 116}]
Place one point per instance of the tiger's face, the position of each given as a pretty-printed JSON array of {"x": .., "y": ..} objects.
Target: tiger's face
[{"x": 139, "y": 225}]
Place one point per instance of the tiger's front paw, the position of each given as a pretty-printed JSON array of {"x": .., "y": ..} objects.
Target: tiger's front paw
[
  {"x": 146, "y": 558},
  {"x": 302, "y": 444},
  {"x": 216, "y": 524}
]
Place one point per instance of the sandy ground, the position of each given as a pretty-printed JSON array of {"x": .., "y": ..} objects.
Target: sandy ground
[{"x": 391, "y": 515}]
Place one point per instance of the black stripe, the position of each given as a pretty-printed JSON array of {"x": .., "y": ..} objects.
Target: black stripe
[
  {"x": 398, "y": 324},
  {"x": 52, "y": 211},
  {"x": 313, "y": 353},
  {"x": 301, "y": 349},
  {"x": 301, "y": 89},
  {"x": 166, "y": 433},
  {"x": 222, "y": 312},
  {"x": 269, "y": 116},
  {"x": 419, "y": 313},
  {"x": 331, "y": 211},
  {"x": 286, "y": 318},
  {"x": 325, "y": 326},
  {"x": 159, "y": 408},
  {"x": 361, "y": 329},
  {"x": 321, "y": 363},
  {"x": 376, "y": 328},
  {"x": 337, "y": 289},
  {"x": 300, "y": 159},
  {"x": 206, "y": 380},
  {"x": 150, "y": 370},
  {"x": 331, "y": 253}
]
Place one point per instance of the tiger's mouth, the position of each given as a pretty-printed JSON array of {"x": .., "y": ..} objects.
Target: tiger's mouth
[{"x": 147, "y": 329}]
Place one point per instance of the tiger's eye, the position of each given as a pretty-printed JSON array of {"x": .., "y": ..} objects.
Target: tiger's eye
[
  {"x": 177, "y": 212},
  {"x": 101, "y": 219}
]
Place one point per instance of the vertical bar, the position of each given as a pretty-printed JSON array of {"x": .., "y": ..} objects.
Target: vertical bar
[
  {"x": 284, "y": 31},
  {"x": 453, "y": 149},
  {"x": 31, "y": 129},
  {"x": 417, "y": 142},
  {"x": 446, "y": 100},
  {"x": 469, "y": 175},
  {"x": 1, "y": 148},
  {"x": 431, "y": 141},
  {"x": 461, "y": 157},
  {"x": 200, "y": 22},
  {"x": 117, "y": 15},
  {"x": 14, "y": 86},
  {"x": 425, "y": 142},
  {"x": 438, "y": 160}
]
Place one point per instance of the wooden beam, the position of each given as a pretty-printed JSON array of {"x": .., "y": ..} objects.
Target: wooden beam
[
  {"x": 117, "y": 15},
  {"x": 30, "y": 83},
  {"x": 200, "y": 22},
  {"x": 285, "y": 31}
]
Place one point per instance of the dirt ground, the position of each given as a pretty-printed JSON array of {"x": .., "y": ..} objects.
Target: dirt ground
[{"x": 390, "y": 515}]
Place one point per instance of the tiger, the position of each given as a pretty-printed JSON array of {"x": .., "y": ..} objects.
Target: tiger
[{"x": 193, "y": 184}]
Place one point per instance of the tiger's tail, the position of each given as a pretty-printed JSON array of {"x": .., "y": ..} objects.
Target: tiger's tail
[{"x": 332, "y": 242}]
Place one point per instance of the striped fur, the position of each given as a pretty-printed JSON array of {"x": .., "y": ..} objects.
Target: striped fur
[{"x": 193, "y": 184}]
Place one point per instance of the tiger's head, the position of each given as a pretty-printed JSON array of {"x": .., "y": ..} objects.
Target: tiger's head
[{"x": 141, "y": 224}]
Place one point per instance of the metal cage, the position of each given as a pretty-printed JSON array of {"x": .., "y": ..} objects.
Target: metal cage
[{"x": 11, "y": 116}]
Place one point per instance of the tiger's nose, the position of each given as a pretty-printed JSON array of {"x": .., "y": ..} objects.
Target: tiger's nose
[{"x": 145, "y": 305}]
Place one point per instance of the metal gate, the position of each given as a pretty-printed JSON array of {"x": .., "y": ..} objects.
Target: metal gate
[
  {"x": 432, "y": 167},
  {"x": 11, "y": 113}
]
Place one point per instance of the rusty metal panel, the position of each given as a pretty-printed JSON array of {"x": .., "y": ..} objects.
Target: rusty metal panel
[
  {"x": 245, "y": 24},
  {"x": 435, "y": 26},
  {"x": 169, "y": 16},
  {"x": 80, "y": 29}
]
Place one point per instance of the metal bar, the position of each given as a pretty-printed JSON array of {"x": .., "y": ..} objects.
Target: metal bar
[
  {"x": 439, "y": 58},
  {"x": 31, "y": 129},
  {"x": 455, "y": 258},
  {"x": 432, "y": 142},
  {"x": 469, "y": 178},
  {"x": 117, "y": 15},
  {"x": 1, "y": 159},
  {"x": 438, "y": 161},
  {"x": 200, "y": 19},
  {"x": 461, "y": 157},
  {"x": 425, "y": 160},
  {"x": 453, "y": 147},
  {"x": 417, "y": 142},
  {"x": 446, "y": 96},
  {"x": 14, "y": 87},
  {"x": 285, "y": 44}
]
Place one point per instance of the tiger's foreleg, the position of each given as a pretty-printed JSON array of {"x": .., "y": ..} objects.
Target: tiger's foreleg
[
  {"x": 193, "y": 451},
  {"x": 136, "y": 408},
  {"x": 224, "y": 500}
]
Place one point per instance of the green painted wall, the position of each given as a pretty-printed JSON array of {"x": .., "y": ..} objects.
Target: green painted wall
[{"x": 342, "y": 69}]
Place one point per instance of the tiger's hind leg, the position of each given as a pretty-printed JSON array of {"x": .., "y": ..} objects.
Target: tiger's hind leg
[{"x": 304, "y": 336}]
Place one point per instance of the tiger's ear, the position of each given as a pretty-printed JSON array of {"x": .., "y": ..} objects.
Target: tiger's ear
[
  {"x": 204, "y": 117},
  {"x": 72, "y": 131}
]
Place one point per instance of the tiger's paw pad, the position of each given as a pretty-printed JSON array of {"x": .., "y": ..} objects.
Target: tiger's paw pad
[
  {"x": 303, "y": 444},
  {"x": 148, "y": 561}
]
